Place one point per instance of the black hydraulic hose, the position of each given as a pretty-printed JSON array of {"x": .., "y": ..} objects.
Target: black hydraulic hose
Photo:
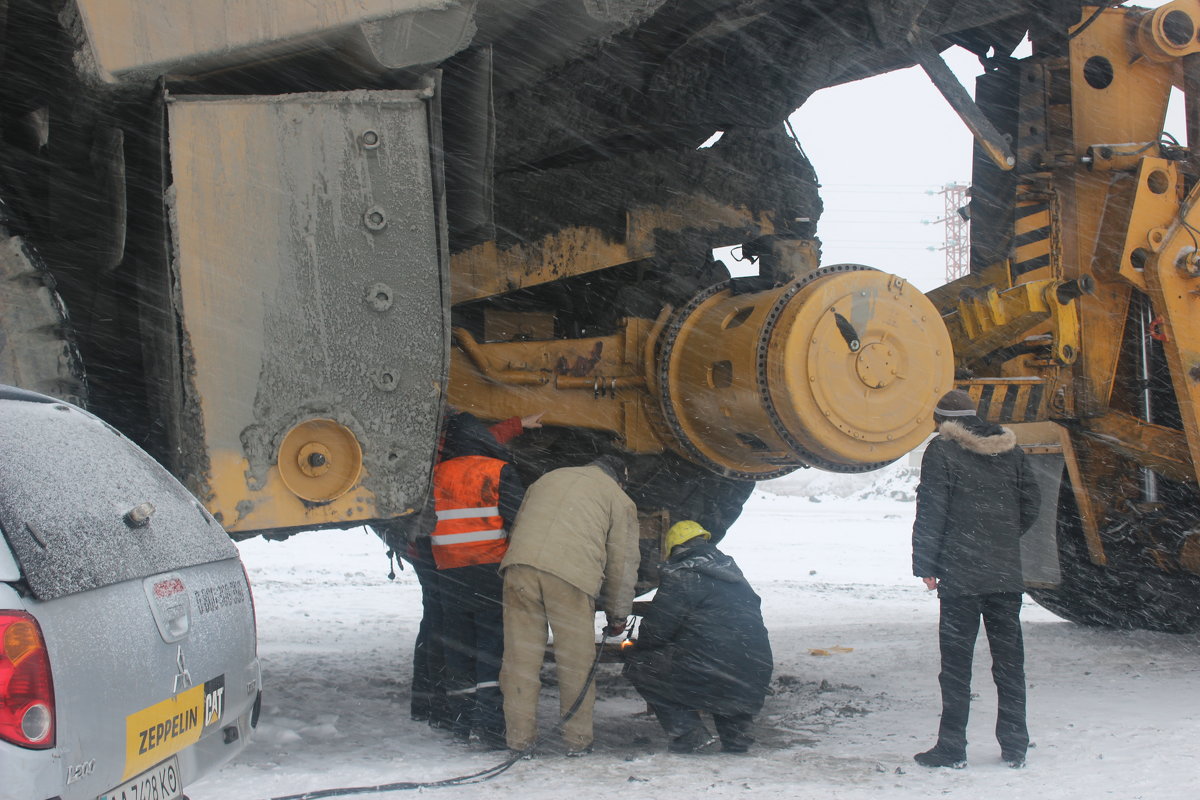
[
  {"x": 1095, "y": 16},
  {"x": 460, "y": 780}
]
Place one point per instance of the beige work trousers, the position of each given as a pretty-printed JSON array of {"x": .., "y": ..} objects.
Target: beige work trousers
[{"x": 532, "y": 600}]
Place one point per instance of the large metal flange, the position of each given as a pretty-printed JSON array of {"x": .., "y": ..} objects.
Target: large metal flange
[
  {"x": 810, "y": 457},
  {"x": 682, "y": 436},
  {"x": 853, "y": 366},
  {"x": 320, "y": 460},
  {"x": 839, "y": 370}
]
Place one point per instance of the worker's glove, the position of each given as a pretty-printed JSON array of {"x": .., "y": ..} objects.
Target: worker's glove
[{"x": 615, "y": 627}]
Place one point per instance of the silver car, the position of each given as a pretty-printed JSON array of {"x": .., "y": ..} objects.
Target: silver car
[{"x": 128, "y": 663}]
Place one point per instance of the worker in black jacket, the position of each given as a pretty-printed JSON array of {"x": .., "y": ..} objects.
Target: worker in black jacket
[
  {"x": 976, "y": 498},
  {"x": 702, "y": 646}
]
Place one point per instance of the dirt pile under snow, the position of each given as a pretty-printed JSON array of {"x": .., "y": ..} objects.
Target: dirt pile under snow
[{"x": 896, "y": 481}]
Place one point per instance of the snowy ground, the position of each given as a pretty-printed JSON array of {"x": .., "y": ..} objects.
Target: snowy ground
[{"x": 1112, "y": 714}]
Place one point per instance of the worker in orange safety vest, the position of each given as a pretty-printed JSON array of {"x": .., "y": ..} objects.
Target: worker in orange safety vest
[
  {"x": 412, "y": 540},
  {"x": 476, "y": 497}
]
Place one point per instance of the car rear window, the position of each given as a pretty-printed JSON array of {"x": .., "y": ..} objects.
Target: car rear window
[{"x": 67, "y": 482}]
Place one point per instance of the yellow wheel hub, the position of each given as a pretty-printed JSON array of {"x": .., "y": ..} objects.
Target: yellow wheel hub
[
  {"x": 319, "y": 460},
  {"x": 856, "y": 365},
  {"x": 876, "y": 365},
  {"x": 839, "y": 370}
]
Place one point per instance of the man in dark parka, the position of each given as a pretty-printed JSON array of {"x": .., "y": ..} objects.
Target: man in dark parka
[
  {"x": 976, "y": 498},
  {"x": 702, "y": 646}
]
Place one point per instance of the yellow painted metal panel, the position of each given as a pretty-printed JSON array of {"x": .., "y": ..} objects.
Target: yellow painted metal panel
[
  {"x": 151, "y": 36},
  {"x": 1174, "y": 282},
  {"x": 490, "y": 269},
  {"x": 866, "y": 400},
  {"x": 1122, "y": 113},
  {"x": 309, "y": 287}
]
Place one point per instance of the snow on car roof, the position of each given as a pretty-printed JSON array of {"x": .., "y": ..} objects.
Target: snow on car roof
[{"x": 67, "y": 482}]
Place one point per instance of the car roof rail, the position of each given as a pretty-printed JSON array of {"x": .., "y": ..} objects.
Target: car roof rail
[{"x": 13, "y": 393}]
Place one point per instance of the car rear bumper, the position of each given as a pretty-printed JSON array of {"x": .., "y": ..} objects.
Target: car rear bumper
[
  {"x": 30, "y": 774},
  {"x": 42, "y": 774}
]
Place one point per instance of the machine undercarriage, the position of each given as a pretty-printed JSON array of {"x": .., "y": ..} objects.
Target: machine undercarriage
[{"x": 273, "y": 252}]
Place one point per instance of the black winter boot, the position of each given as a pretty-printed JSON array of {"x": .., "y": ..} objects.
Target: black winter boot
[
  {"x": 693, "y": 741},
  {"x": 734, "y": 730},
  {"x": 939, "y": 757}
]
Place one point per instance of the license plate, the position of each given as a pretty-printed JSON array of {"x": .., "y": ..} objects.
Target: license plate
[{"x": 157, "y": 783}]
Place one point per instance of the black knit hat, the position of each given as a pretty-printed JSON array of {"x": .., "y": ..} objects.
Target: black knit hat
[
  {"x": 614, "y": 466},
  {"x": 955, "y": 403},
  {"x": 466, "y": 435}
]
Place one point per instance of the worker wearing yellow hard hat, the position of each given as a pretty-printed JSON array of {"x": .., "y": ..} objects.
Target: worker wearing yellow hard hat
[
  {"x": 682, "y": 532},
  {"x": 701, "y": 646}
]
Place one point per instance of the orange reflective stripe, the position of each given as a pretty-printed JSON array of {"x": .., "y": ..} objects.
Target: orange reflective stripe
[{"x": 466, "y": 492}]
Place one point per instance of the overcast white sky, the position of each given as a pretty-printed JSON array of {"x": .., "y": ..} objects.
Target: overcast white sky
[{"x": 883, "y": 148}]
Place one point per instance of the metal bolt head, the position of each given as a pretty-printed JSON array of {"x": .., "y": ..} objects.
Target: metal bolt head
[
  {"x": 379, "y": 297},
  {"x": 314, "y": 459},
  {"x": 1188, "y": 262},
  {"x": 375, "y": 218},
  {"x": 139, "y": 515},
  {"x": 369, "y": 139},
  {"x": 385, "y": 379}
]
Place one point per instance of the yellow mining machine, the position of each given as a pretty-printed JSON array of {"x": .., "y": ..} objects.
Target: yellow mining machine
[
  {"x": 1079, "y": 318},
  {"x": 273, "y": 242}
]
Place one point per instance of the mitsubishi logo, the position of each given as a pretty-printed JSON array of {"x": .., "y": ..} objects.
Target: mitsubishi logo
[{"x": 183, "y": 680}]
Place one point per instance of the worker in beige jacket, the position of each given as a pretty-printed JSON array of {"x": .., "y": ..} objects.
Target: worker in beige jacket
[{"x": 576, "y": 531}]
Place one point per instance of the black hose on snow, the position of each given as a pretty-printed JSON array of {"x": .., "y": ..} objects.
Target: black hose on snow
[{"x": 460, "y": 780}]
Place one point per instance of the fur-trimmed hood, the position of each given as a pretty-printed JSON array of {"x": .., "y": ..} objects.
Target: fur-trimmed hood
[
  {"x": 976, "y": 498},
  {"x": 994, "y": 445}
]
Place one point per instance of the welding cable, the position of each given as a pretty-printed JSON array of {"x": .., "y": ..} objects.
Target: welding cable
[{"x": 462, "y": 780}]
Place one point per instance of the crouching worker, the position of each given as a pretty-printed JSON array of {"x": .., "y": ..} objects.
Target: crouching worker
[{"x": 702, "y": 646}]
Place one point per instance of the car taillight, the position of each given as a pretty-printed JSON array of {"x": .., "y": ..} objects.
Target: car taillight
[
  {"x": 253, "y": 610},
  {"x": 26, "y": 687}
]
